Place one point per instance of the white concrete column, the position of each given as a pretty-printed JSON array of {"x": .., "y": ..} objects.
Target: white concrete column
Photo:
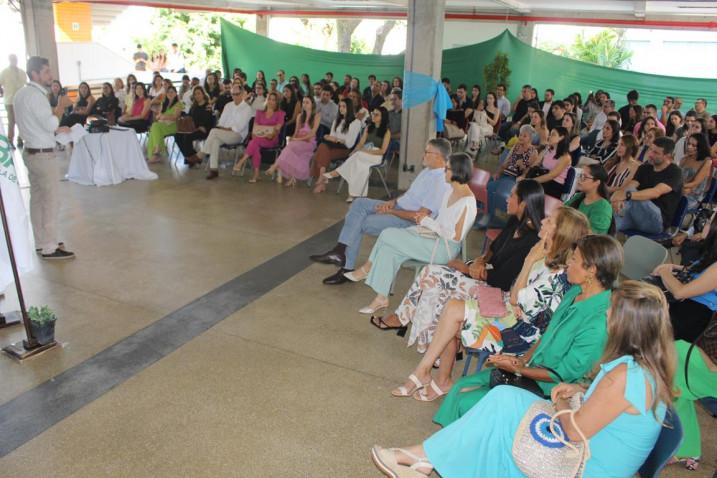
[
  {"x": 424, "y": 47},
  {"x": 38, "y": 20},
  {"x": 262, "y": 25}
]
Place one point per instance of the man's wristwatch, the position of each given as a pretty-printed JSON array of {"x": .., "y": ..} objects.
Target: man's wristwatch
[{"x": 628, "y": 196}]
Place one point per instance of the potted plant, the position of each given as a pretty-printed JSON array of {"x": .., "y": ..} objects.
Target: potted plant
[
  {"x": 497, "y": 72},
  {"x": 42, "y": 324}
]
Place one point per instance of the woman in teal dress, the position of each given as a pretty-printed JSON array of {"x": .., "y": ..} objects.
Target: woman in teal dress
[
  {"x": 165, "y": 124},
  {"x": 621, "y": 415},
  {"x": 572, "y": 343}
]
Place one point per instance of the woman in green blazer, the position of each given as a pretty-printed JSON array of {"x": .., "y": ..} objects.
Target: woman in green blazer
[{"x": 572, "y": 343}]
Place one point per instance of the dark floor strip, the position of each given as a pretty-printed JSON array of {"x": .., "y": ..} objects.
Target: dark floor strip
[{"x": 36, "y": 410}]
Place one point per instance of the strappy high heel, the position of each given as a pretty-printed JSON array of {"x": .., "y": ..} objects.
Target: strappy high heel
[{"x": 386, "y": 461}]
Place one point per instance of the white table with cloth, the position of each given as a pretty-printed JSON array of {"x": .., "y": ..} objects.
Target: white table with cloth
[{"x": 103, "y": 159}]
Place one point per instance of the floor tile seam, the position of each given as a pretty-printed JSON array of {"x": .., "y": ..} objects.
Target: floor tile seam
[
  {"x": 56, "y": 393},
  {"x": 298, "y": 354}
]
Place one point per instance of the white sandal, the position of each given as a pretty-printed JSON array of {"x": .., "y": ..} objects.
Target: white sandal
[
  {"x": 385, "y": 460},
  {"x": 354, "y": 277},
  {"x": 422, "y": 396},
  {"x": 402, "y": 391}
]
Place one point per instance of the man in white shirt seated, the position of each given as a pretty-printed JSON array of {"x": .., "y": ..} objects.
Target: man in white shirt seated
[
  {"x": 502, "y": 102},
  {"x": 232, "y": 128}
]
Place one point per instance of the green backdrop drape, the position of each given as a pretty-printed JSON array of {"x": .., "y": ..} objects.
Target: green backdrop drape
[{"x": 251, "y": 52}]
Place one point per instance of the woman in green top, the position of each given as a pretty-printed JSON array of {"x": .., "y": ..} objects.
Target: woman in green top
[
  {"x": 592, "y": 199},
  {"x": 165, "y": 124},
  {"x": 572, "y": 343}
]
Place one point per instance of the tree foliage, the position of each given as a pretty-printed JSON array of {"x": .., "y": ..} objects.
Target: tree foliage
[
  {"x": 197, "y": 34},
  {"x": 606, "y": 48}
]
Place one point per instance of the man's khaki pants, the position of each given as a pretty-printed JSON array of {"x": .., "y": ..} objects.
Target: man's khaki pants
[
  {"x": 44, "y": 172},
  {"x": 216, "y": 138}
]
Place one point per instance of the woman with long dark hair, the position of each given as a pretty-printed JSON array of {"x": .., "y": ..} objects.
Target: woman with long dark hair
[
  {"x": 336, "y": 145},
  {"x": 107, "y": 105},
  {"x": 82, "y": 107},
  {"x": 137, "y": 117},
  {"x": 696, "y": 169},
  {"x": 605, "y": 148},
  {"x": 293, "y": 162},
  {"x": 554, "y": 162},
  {"x": 202, "y": 117},
  {"x": 623, "y": 166},
  {"x": 165, "y": 124},
  {"x": 291, "y": 106},
  {"x": 368, "y": 152}
]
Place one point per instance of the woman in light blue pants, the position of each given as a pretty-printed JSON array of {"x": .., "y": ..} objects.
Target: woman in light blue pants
[{"x": 434, "y": 241}]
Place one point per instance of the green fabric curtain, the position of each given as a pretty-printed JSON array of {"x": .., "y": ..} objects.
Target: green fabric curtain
[{"x": 251, "y": 52}]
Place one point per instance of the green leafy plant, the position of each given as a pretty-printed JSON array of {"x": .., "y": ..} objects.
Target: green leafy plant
[
  {"x": 607, "y": 48},
  {"x": 41, "y": 316},
  {"x": 497, "y": 72}
]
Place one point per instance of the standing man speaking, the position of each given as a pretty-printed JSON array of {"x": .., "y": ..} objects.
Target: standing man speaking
[{"x": 38, "y": 123}]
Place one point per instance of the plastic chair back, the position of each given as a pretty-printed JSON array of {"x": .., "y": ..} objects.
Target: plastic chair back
[
  {"x": 642, "y": 255},
  {"x": 479, "y": 186},
  {"x": 667, "y": 444}
]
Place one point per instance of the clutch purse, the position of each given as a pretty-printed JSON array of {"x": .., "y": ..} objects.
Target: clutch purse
[
  {"x": 185, "y": 124},
  {"x": 541, "y": 448}
]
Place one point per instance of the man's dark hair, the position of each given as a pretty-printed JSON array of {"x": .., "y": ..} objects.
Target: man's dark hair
[
  {"x": 526, "y": 86},
  {"x": 651, "y": 106},
  {"x": 558, "y": 103},
  {"x": 702, "y": 100},
  {"x": 445, "y": 80},
  {"x": 552, "y": 91},
  {"x": 185, "y": 77},
  {"x": 397, "y": 93},
  {"x": 667, "y": 145},
  {"x": 614, "y": 114},
  {"x": 36, "y": 63},
  {"x": 691, "y": 114},
  {"x": 671, "y": 98},
  {"x": 371, "y": 76},
  {"x": 462, "y": 86},
  {"x": 227, "y": 81},
  {"x": 633, "y": 95},
  {"x": 327, "y": 88},
  {"x": 329, "y": 74},
  {"x": 501, "y": 85},
  {"x": 174, "y": 44}
]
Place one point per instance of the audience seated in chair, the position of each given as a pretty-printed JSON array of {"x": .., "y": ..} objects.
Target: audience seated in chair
[
  {"x": 604, "y": 149},
  {"x": 499, "y": 267},
  {"x": 535, "y": 295},
  {"x": 327, "y": 109},
  {"x": 293, "y": 164},
  {"x": 265, "y": 134},
  {"x": 550, "y": 168},
  {"x": 82, "y": 107},
  {"x": 369, "y": 151},
  {"x": 593, "y": 199},
  {"x": 622, "y": 414},
  {"x": 232, "y": 128},
  {"x": 107, "y": 105},
  {"x": 519, "y": 159},
  {"x": 336, "y": 145},
  {"x": 482, "y": 122},
  {"x": 696, "y": 169},
  {"x": 621, "y": 168},
  {"x": 224, "y": 98},
  {"x": 290, "y": 104},
  {"x": 138, "y": 115},
  {"x": 165, "y": 124},
  {"x": 202, "y": 119},
  {"x": 370, "y": 216},
  {"x": 648, "y": 203},
  {"x": 437, "y": 241}
]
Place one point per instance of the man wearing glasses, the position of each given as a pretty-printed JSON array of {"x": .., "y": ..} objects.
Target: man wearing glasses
[
  {"x": 370, "y": 216},
  {"x": 232, "y": 128}
]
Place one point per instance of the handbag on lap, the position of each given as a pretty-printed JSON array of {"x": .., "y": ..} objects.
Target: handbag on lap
[
  {"x": 185, "y": 125},
  {"x": 541, "y": 448}
]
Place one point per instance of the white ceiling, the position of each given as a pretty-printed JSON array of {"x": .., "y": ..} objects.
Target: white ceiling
[{"x": 661, "y": 8}]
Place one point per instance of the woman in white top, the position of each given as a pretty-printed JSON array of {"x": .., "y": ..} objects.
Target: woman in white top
[
  {"x": 434, "y": 241},
  {"x": 120, "y": 92},
  {"x": 337, "y": 144},
  {"x": 368, "y": 152},
  {"x": 481, "y": 125},
  {"x": 157, "y": 87},
  {"x": 536, "y": 294}
]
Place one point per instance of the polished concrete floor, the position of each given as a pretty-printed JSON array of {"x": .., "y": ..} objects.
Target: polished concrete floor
[{"x": 286, "y": 380}]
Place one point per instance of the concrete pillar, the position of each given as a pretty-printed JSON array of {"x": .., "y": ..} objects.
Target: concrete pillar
[
  {"x": 424, "y": 47},
  {"x": 526, "y": 32},
  {"x": 262, "y": 25},
  {"x": 38, "y": 20}
]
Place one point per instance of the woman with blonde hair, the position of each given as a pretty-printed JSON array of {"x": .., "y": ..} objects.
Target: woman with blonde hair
[
  {"x": 534, "y": 297},
  {"x": 622, "y": 413}
]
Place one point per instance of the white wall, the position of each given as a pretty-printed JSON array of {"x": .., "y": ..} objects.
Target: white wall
[
  {"x": 461, "y": 33},
  {"x": 96, "y": 62}
]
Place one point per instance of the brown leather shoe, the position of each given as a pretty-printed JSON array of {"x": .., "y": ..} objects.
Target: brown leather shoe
[
  {"x": 193, "y": 160},
  {"x": 213, "y": 174}
]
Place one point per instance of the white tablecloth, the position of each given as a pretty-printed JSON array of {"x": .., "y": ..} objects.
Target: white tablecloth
[{"x": 103, "y": 159}]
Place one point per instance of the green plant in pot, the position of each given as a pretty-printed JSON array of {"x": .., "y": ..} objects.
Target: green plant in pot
[{"x": 42, "y": 324}]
